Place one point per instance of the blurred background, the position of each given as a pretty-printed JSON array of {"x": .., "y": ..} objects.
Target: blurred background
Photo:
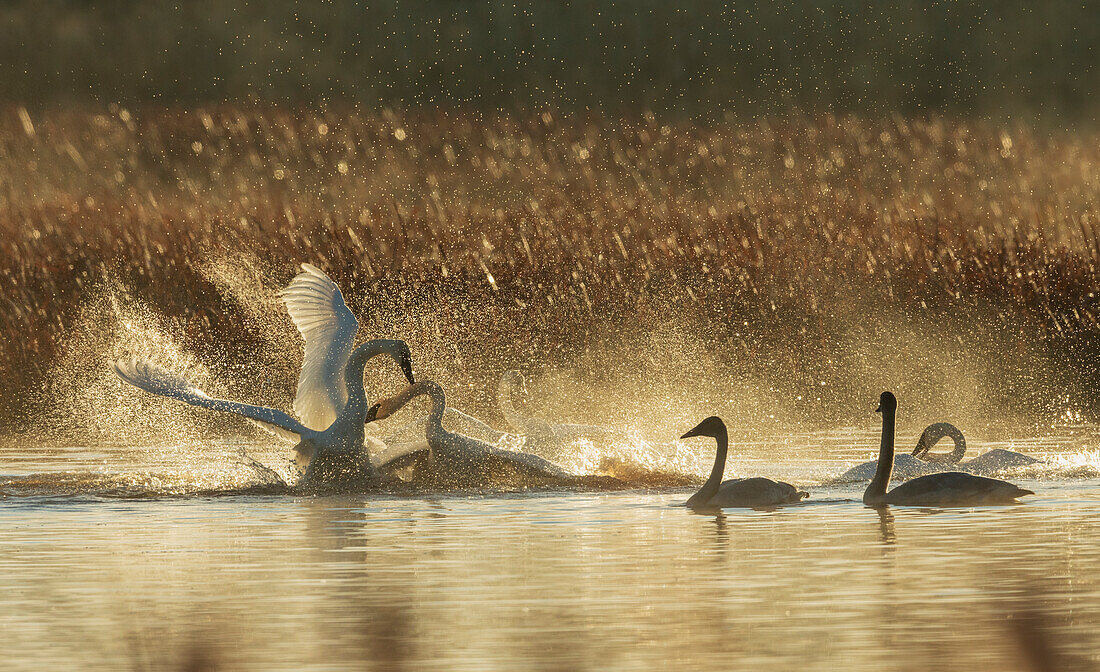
[{"x": 700, "y": 59}]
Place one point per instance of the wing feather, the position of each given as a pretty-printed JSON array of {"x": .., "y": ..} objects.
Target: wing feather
[
  {"x": 147, "y": 376},
  {"x": 328, "y": 328}
]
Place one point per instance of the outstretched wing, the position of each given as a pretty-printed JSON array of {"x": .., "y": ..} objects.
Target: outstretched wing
[
  {"x": 155, "y": 380},
  {"x": 328, "y": 329}
]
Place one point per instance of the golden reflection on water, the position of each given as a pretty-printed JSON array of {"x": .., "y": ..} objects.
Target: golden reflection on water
[
  {"x": 550, "y": 581},
  {"x": 114, "y": 562}
]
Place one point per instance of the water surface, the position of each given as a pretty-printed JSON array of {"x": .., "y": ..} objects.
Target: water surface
[{"x": 112, "y": 562}]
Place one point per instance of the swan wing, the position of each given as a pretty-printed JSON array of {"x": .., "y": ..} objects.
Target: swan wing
[
  {"x": 757, "y": 491},
  {"x": 147, "y": 376},
  {"x": 328, "y": 328}
]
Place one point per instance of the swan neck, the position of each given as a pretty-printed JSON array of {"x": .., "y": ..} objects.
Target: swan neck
[
  {"x": 710, "y": 488},
  {"x": 434, "y": 422},
  {"x": 353, "y": 372},
  {"x": 881, "y": 481}
]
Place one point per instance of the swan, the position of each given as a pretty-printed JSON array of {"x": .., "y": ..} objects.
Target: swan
[
  {"x": 949, "y": 488},
  {"x": 996, "y": 460},
  {"x": 328, "y": 328},
  {"x": 458, "y": 460},
  {"x": 740, "y": 492},
  {"x": 920, "y": 462},
  {"x": 542, "y": 435},
  {"x": 336, "y": 454}
]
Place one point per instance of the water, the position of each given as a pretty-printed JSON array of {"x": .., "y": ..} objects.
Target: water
[{"x": 164, "y": 558}]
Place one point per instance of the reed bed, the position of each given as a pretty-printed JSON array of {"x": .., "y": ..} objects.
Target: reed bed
[{"x": 793, "y": 252}]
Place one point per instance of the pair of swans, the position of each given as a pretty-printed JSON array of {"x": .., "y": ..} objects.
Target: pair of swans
[
  {"x": 921, "y": 462},
  {"x": 950, "y": 488},
  {"x": 331, "y": 395}
]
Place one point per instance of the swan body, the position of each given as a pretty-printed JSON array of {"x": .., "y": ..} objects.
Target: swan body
[
  {"x": 542, "y": 435},
  {"x": 951, "y": 488},
  {"x": 741, "y": 492},
  {"x": 996, "y": 460},
  {"x": 457, "y": 460}
]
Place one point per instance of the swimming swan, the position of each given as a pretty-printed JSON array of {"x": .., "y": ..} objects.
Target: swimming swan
[
  {"x": 741, "y": 492},
  {"x": 949, "y": 488},
  {"x": 461, "y": 461},
  {"x": 542, "y": 436},
  {"x": 335, "y": 454},
  {"x": 920, "y": 462}
]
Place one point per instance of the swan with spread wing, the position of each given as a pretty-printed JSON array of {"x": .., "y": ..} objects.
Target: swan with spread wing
[{"x": 331, "y": 400}]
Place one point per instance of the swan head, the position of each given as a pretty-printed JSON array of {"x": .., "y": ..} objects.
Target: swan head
[
  {"x": 399, "y": 350},
  {"x": 712, "y": 426},
  {"x": 887, "y": 403}
]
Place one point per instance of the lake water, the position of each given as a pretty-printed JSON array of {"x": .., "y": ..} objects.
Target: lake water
[{"x": 166, "y": 558}]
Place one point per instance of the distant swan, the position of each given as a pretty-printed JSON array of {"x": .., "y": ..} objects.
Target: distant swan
[
  {"x": 920, "y": 462},
  {"x": 456, "y": 460},
  {"x": 336, "y": 454},
  {"x": 542, "y": 436},
  {"x": 949, "y": 488},
  {"x": 741, "y": 492},
  {"x": 998, "y": 459}
]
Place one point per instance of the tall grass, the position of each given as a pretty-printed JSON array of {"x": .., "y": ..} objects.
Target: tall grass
[{"x": 820, "y": 257}]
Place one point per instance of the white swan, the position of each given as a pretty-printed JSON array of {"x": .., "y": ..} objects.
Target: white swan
[
  {"x": 330, "y": 387},
  {"x": 998, "y": 459},
  {"x": 920, "y": 462},
  {"x": 334, "y": 455},
  {"x": 542, "y": 436},
  {"x": 949, "y": 488},
  {"x": 328, "y": 328},
  {"x": 455, "y": 460},
  {"x": 739, "y": 492}
]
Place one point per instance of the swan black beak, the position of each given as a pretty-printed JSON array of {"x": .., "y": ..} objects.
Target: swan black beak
[
  {"x": 878, "y": 409},
  {"x": 372, "y": 413},
  {"x": 407, "y": 369},
  {"x": 690, "y": 433}
]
